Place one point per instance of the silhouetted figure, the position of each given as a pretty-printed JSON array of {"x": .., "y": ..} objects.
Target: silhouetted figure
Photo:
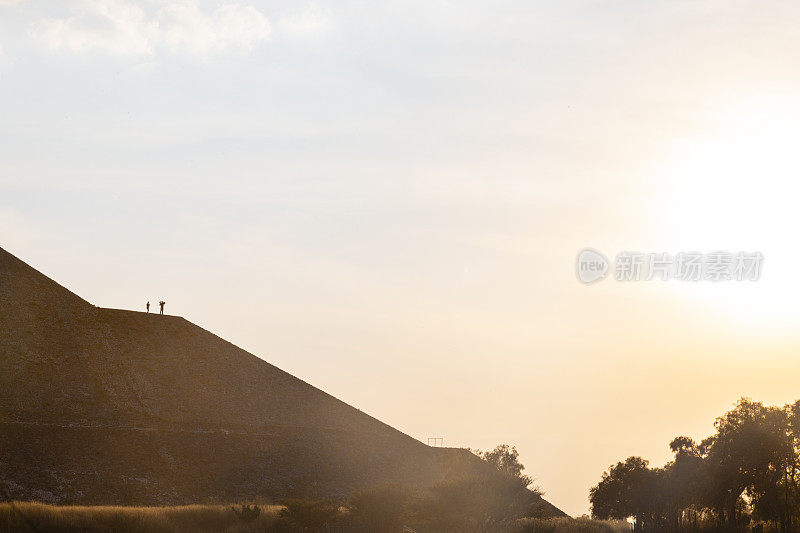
[
  {"x": 161, "y": 304},
  {"x": 148, "y": 307}
]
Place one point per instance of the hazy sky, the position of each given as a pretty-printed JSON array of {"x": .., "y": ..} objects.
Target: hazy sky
[{"x": 386, "y": 199}]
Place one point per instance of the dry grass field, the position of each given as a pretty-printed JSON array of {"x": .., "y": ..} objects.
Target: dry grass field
[
  {"x": 27, "y": 516},
  {"x": 570, "y": 525},
  {"x": 40, "y": 517}
]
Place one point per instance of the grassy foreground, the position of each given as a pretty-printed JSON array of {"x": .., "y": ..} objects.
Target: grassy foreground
[
  {"x": 27, "y": 516},
  {"x": 570, "y": 525},
  {"x": 40, "y": 517}
]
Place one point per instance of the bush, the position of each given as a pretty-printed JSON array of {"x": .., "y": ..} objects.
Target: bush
[
  {"x": 383, "y": 509},
  {"x": 309, "y": 515},
  {"x": 247, "y": 512},
  {"x": 477, "y": 503}
]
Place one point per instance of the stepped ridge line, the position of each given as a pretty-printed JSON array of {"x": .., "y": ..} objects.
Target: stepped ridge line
[{"x": 112, "y": 406}]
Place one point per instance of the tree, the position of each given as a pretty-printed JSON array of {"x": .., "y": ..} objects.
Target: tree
[
  {"x": 685, "y": 481},
  {"x": 746, "y": 455},
  {"x": 626, "y": 490},
  {"x": 748, "y": 469},
  {"x": 505, "y": 458},
  {"x": 773, "y": 491}
]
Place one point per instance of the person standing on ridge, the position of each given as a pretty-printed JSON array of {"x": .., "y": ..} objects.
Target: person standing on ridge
[
  {"x": 161, "y": 304},
  {"x": 148, "y": 306}
]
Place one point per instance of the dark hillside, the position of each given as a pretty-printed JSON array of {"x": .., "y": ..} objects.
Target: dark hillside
[{"x": 111, "y": 406}]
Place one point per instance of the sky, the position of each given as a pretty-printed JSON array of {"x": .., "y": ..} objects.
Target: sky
[{"x": 387, "y": 200}]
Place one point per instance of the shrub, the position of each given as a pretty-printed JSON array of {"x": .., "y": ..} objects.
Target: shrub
[
  {"x": 477, "y": 503},
  {"x": 247, "y": 512},
  {"x": 309, "y": 515},
  {"x": 383, "y": 509}
]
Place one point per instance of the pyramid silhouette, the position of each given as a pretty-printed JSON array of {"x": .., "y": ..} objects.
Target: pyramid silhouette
[{"x": 106, "y": 406}]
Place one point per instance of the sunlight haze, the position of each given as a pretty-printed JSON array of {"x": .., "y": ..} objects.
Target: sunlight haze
[{"x": 386, "y": 200}]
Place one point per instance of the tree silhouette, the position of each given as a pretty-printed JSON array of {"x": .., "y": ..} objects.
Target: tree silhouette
[{"x": 747, "y": 471}]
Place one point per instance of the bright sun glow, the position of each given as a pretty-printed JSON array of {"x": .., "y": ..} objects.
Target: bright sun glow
[{"x": 736, "y": 189}]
